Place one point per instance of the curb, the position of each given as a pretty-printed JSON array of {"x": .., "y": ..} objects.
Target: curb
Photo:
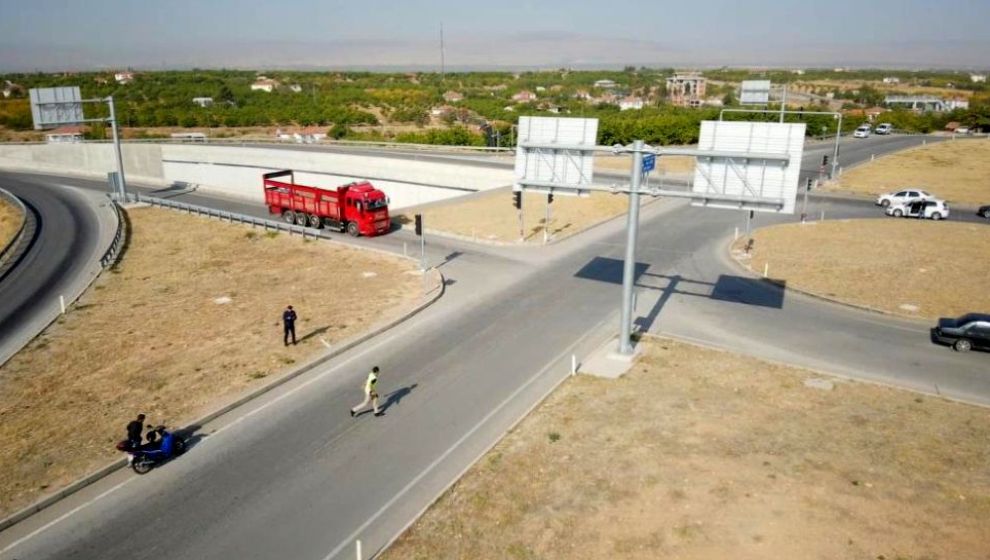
[
  {"x": 12, "y": 252},
  {"x": 859, "y": 307},
  {"x": 95, "y": 476}
]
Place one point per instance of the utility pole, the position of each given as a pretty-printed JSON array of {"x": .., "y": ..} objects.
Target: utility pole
[
  {"x": 443, "y": 67},
  {"x": 116, "y": 149},
  {"x": 629, "y": 266}
]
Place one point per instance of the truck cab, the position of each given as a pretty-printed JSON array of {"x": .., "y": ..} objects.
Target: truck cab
[{"x": 365, "y": 207}]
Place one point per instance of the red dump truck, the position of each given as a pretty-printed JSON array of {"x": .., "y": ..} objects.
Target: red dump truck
[{"x": 357, "y": 208}]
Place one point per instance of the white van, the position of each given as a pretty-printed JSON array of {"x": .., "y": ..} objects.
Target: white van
[
  {"x": 862, "y": 132},
  {"x": 884, "y": 128}
]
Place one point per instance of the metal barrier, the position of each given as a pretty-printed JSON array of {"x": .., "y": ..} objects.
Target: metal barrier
[
  {"x": 233, "y": 217},
  {"x": 113, "y": 252},
  {"x": 14, "y": 244}
]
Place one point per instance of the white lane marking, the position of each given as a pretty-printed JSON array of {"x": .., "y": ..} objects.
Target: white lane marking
[
  {"x": 64, "y": 516},
  {"x": 350, "y": 538},
  {"x": 217, "y": 431}
]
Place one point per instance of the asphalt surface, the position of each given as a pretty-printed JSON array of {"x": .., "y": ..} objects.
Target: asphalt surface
[
  {"x": 292, "y": 475},
  {"x": 59, "y": 262}
]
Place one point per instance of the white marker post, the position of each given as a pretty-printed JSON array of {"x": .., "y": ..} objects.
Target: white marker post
[
  {"x": 61, "y": 303},
  {"x": 357, "y": 549}
]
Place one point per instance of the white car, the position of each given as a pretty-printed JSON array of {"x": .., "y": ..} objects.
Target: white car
[
  {"x": 900, "y": 197},
  {"x": 884, "y": 128},
  {"x": 862, "y": 132},
  {"x": 933, "y": 209}
]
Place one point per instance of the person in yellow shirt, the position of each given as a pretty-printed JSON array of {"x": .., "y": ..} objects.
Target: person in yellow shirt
[{"x": 370, "y": 394}]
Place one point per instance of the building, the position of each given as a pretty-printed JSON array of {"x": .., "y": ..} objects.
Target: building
[
  {"x": 203, "y": 102},
  {"x": 304, "y": 135},
  {"x": 605, "y": 84},
  {"x": 686, "y": 90},
  {"x": 295, "y": 88},
  {"x": 920, "y": 103},
  {"x": 10, "y": 89},
  {"x": 452, "y": 97},
  {"x": 798, "y": 71},
  {"x": 524, "y": 96},
  {"x": 582, "y": 94},
  {"x": 978, "y": 78},
  {"x": 957, "y": 103},
  {"x": 65, "y": 134},
  {"x": 264, "y": 84},
  {"x": 124, "y": 77},
  {"x": 540, "y": 89},
  {"x": 630, "y": 103},
  {"x": 891, "y": 80}
]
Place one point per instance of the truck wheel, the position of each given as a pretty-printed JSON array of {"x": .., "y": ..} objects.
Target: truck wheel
[
  {"x": 898, "y": 213},
  {"x": 289, "y": 217},
  {"x": 315, "y": 221},
  {"x": 352, "y": 229},
  {"x": 936, "y": 216},
  {"x": 962, "y": 345},
  {"x": 301, "y": 219}
]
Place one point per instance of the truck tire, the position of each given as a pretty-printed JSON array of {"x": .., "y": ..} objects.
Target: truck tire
[
  {"x": 301, "y": 219},
  {"x": 315, "y": 222},
  {"x": 352, "y": 229},
  {"x": 289, "y": 217}
]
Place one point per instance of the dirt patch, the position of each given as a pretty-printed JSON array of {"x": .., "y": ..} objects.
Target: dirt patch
[
  {"x": 189, "y": 319},
  {"x": 10, "y": 222},
  {"x": 702, "y": 454},
  {"x": 956, "y": 170},
  {"x": 491, "y": 217},
  {"x": 907, "y": 267}
]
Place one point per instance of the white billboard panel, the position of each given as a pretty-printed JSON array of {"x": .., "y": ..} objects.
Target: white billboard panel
[
  {"x": 729, "y": 181},
  {"x": 755, "y": 92},
  {"x": 555, "y": 154},
  {"x": 51, "y": 107}
]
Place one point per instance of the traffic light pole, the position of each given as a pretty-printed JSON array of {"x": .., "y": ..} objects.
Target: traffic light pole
[{"x": 546, "y": 221}]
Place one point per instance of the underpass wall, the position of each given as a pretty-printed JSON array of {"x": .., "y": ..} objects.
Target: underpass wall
[
  {"x": 142, "y": 162},
  {"x": 236, "y": 171}
]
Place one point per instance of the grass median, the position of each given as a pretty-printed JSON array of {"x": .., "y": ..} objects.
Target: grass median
[
  {"x": 915, "y": 268},
  {"x": 10, "y": 222},
  {"x": 698, "y": 453},
  {"x": 955, "y": 170},
  {"x": 187, "y": 321}
]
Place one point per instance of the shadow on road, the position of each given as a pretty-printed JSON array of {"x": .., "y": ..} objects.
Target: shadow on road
[
  {"x": 395, "y": 397},
  {"x": 728, "y": 288}
]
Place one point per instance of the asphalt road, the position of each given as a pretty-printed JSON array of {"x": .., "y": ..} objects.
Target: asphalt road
[
  {"x": 67, "y": 242},
  {"x": 292, "y": 475}
]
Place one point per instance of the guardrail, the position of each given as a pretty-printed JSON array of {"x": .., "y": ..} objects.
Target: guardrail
[
  {"x": 233, "y": 217},
  {"x": 9, "y": 249},
  {"x": 119, "y": 238},
  {"x": 317, "y": 143}
]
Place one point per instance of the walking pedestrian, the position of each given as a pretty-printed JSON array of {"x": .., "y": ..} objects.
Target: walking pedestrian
[
  {"x": 288, "y": 325},
  {"x": 134, "y": 428},
  {"x": 370, "y": 394}
]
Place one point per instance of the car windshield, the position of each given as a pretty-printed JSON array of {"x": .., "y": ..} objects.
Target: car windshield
[{"x": 376, "y": 203}]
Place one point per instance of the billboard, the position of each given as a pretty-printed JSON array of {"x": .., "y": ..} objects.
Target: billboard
[
  {"x": 755, "y": 92},
  {"x": 555, "y": 154},
  {"x": 52, "y": 107},
  {"x": 747, "y": 181}
]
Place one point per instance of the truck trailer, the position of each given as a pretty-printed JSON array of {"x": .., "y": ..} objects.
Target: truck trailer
[{"x": 357, "y": 208}]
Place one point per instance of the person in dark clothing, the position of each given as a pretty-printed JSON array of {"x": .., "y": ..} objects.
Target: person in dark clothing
[
  {"x": 134, "y": 428},
  {"x": 152, "y": 437},
  {"x": 289, "y": 325}
]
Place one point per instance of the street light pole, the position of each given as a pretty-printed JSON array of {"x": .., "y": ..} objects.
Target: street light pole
[
  {"x": 116, "y": 149},
  {"x": 629, "y": 266},
  {"x": 835, "y": 152}
]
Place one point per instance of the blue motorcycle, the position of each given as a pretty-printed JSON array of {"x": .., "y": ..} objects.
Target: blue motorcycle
[{"x": 143, "y": 459}]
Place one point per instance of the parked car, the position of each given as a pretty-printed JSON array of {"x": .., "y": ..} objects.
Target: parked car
[
  {"x": 884, "y": 128},
  {"x": 927, "y": 209},
  {"x": 972, "y": 330},
  {"x": 862, "y": 132},
  {"x": 962, "y": 130},
  {"x": 984, "y": 211},
  {"x": 907, "y": 195}
]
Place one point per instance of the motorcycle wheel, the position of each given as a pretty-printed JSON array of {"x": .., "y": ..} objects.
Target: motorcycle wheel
[
  {"x": 180, "y": 446},
  {"x": 141, "y": 465}
]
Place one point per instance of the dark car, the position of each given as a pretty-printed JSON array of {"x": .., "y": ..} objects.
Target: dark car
[
  {"x": 984, "y": 211},
  {"x": 969, "y": 331}
]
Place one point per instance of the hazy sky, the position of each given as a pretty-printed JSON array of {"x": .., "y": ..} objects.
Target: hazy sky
[{"x": 149, "y": 34}]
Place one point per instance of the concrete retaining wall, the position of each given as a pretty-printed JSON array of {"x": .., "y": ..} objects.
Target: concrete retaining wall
[{"x": 236, "y": 171}]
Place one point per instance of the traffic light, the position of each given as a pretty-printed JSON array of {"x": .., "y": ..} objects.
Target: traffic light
[
  {"x": 825, "y": 160},
  {"x": 550, "y": 198},
  {"x": 809, "y": 184},
  {"x": 419, "y": 224},
  {"x": 517, "y": 199}
]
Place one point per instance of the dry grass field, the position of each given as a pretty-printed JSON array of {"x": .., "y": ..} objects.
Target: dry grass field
[
  {"x": 491, "y": 217},
  {"x": 700, "y": 454},
  {"x": 665, "y": 164},
  {"x": 10, "y": 222},
  {"x": 956, "y": 170},
  {"x": 909, "y": 267},
  {"x": 188, "y": 320}
]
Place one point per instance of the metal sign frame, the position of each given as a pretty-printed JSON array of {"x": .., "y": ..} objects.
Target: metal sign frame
[
  {"x": 555, "y": 155},
  {"x": 56, "y": 106},
  {"x": 755, "y": 92}
]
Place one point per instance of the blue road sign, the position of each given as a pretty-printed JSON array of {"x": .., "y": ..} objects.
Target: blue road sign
[{"x": 649, "y": 162}]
